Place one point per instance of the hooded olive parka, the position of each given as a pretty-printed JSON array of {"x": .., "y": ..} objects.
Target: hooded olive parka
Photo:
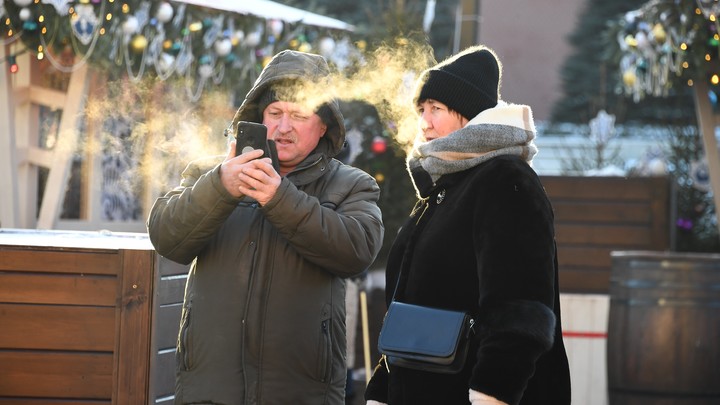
[{"x": 263, "y": 320}]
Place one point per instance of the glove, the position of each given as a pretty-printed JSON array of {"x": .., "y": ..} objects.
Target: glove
[
  {"x": 371, "y": 402},
  {"x": 478, "y": 398}
]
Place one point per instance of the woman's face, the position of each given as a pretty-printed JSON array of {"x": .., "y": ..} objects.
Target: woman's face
[{"x": 437, "y": 120}]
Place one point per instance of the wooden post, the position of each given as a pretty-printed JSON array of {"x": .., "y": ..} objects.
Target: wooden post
[
  {"x": 9, "y": 214},
  {"x": 64, "y": 150},
  {"x": 366, "y": 335},
  {"x": 706, "y": 123},
  {"x": 132, "y": 362}
]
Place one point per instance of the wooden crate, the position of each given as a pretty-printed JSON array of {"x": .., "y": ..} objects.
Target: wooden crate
[
  {"x": 86, "y": 318},
  {"x": 596, "y": 215}
]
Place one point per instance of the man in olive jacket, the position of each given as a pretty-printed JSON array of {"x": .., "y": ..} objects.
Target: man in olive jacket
[{"x": 263, "y": 320}]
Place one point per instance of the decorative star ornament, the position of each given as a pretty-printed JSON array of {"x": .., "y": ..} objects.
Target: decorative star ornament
[{"x": 83, "y": 23}]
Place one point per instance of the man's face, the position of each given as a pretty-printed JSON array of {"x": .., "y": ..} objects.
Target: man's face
[{"x": 295, "y": 130}]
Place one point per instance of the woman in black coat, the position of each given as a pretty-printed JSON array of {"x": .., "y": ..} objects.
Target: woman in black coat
[{"x": 481, "y": 239}]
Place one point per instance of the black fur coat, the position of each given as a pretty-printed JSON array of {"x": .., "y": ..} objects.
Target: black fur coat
[{"x": 484, "y": 242}]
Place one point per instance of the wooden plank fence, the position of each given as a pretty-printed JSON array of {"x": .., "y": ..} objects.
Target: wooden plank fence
[
  {"x": 596, "y": 215},
  {"x": 86, "y": 318}
]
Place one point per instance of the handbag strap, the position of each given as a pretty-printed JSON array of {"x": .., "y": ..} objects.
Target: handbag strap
[{"x": 422, "y": 204}]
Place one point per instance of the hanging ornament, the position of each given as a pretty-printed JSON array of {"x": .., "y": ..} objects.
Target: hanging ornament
[
  {"x": 276, "y": 27},
  {"x": 175, "y": 48},
  {"x": 305, "y": 47},
  {"x": 83, "y": 23},
  {"x": 131, "y": 25},
  {"x": 223, "y": 47},
  {"x": 379, "y": 145},
  {"x": 25, "y": 14},
  {"x": 629, "y": 78},
  {"x": 253, "y": 39},
  {"x": 205, "y": 71},
  {"x": 139, "y": 43},
  {"x": 165, "y": 62},
  {"x": 12, "y": 63},
  {"x": 237, "y": 37},
  {"x": 631, "y": 41},
  {"x": 327, "y": 46},
  {"x": 61, "y": 6},
  {"x": 642, "y": 41},
  {"x": 164, "y": 12},
  {"x": 23, "y": 3},
  {"x": 658, "y": 33},
  {"x": 195, "y": 26}
]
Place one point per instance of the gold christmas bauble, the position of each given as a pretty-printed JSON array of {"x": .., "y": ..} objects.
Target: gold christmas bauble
[
  {"x": 658, "y": 33},
  {"x": 629, "y": 78},
  {"x": 139, "y": 43}
]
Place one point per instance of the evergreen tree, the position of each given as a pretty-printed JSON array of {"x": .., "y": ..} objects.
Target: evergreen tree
[{"x": 591, "y": 79}]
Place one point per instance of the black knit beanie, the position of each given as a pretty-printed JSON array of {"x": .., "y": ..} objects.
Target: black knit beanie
[{"x": 468, "y": 82}]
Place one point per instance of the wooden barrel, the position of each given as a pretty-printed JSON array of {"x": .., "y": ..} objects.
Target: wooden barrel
[{"x": 663, "y": 343}]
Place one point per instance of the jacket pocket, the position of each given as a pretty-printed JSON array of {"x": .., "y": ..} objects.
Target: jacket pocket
[
  {"x": 182, "y": 352},
  {"x": 325, "y": 348}
]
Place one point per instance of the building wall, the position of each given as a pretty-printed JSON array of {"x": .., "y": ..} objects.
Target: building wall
[{"x": 530, "y": 38}]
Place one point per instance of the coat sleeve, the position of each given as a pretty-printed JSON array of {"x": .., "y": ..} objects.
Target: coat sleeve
[
  {"x": 515, "y": 250},
  {"x": 377, "y": 388},
  {"x": 342, "y": 233},
  {"x": 182, "y": 222}
]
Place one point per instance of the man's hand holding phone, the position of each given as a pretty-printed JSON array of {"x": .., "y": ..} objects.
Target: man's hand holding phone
[{"x": 249, "y": 169}]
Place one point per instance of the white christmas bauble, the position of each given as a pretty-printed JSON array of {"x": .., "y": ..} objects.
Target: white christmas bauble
[
  {"x": 223, "y": 47},
  {"x": 276, "y": 27},
  {"x": 642, "y": 40},
  {"x": 327, "y": 46},
  {"x": 165, "y": 12},
  {"x": 253, "y": 39},
  {"x": 166, "y": 61},
  {"x": 205, "y": 71},
  {"x": 23, "y": 3},
  {"x": 130, "y": 26},
  {"x": 25, "y": 14}
]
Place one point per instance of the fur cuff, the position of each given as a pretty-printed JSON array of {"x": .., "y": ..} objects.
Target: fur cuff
[{"x": 529, "y": 318}]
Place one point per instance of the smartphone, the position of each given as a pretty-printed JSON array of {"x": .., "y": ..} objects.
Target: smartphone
[{"x": 250, "y": 136}]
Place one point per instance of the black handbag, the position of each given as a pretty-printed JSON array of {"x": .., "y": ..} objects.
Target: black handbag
[{"x": 425, "y": 338}]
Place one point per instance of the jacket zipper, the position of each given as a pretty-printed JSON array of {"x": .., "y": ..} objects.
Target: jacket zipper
[{"x": 325, "y": 350}]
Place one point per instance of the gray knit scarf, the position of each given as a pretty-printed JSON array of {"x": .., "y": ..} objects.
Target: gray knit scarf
[{"x": 507, "y": 129}]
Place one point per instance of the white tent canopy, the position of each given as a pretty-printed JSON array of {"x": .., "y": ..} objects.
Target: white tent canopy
[{"x": 272, "y": 10}]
